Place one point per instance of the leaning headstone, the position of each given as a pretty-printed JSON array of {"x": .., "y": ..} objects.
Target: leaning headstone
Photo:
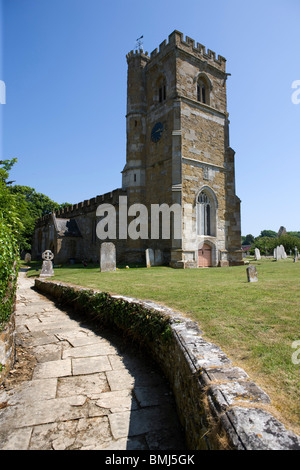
[
  {"x": 107, "y": 257},
  {"x": 47, "y": 266},
  {"x": 27, "y": 258},
  {"x": 252, "y": 274},
  {"x": 149, "y": 257},
  {"x": 257, "y": 254}
]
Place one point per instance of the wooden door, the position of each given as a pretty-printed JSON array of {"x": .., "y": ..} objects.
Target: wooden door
[{"x": 204, "y": 256}]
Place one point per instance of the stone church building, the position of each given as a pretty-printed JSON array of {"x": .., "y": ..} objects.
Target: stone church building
[{"x": 178, "y": 152}]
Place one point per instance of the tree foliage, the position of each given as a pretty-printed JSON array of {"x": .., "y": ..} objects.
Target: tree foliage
[
  {"x": 266, "y": 245},
  {"x": 10, "y": 227},
  {"x": 268, "y": 240},
  {"x": 20, "y": 207},
  {"x": 268, "y": 233},
  {"x": 8, "y": 271},
  {"x": 30, "y": 205},
  {"x": 248, "y": 239}
]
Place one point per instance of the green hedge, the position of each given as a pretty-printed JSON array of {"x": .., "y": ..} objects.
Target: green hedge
[
  {"x": 8, "y": 272},
  {"x": 133, "y": 318}
]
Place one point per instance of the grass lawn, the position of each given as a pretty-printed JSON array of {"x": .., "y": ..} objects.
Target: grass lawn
[{"x": 254, "y": 323}]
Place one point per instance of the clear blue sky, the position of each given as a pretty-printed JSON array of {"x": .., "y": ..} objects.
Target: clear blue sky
[{"x": 64, "y": 65}]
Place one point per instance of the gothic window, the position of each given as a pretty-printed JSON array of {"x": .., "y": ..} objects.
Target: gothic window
[{"x": 206, "y": 211}]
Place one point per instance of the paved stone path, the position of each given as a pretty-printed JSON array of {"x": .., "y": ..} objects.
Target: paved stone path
[{"x": 87, "y": 390}]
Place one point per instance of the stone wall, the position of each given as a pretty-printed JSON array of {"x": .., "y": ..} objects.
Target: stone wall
[
  {"x": 7, "y": 348},
  {"x": 218, "y": 405}
]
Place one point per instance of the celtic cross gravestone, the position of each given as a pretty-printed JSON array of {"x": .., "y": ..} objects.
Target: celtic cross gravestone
[{"x": 47, "y": 267}]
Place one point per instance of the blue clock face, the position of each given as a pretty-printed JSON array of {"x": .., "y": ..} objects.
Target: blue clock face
[{"x": 157, "y": 132}]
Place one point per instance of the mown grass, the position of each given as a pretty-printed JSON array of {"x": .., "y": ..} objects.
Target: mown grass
[{"x": 254, "y": 323}]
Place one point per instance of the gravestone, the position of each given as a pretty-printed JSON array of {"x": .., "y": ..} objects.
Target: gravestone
[
  {"x": 296, "y": 255},
  {"x": 107, "y": 257},
  {"x": 280, "y": 253},
  {"x": 149, "y": 257},
  {"x": 257, "y": 254},
  {"x": 27, "y": 258},
  {"x": 252, "y": 274},
  {"x": 158, "y": 257},
  {"x": 47, "y": 266}
]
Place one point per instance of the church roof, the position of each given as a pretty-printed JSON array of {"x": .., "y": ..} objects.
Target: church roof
[{"x": 67, "y": 228}]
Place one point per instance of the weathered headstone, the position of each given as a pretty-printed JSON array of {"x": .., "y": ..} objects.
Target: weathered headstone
[
  {"x": 47, "y": 266},
  {"x": 296, "y": 255},
  {"x": 107, "y": 257},
  {"x": 27, "y": 258},
  {"x": 252, "y": 274},
  {"x": 280, "y": 253},
  {"x": 158, "y": 257},
  {"x": 257, "y": 254},
  {"x": 149, "y": 257}
]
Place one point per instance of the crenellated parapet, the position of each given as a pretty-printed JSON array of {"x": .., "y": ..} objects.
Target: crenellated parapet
[
  {"x": 187, "y": 44},
  {"x": 89, "y": 205}
]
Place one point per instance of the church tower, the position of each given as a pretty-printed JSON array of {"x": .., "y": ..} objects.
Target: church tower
[
  {"x": 178, "y": 161},
  {"x": 178, "y": 150}
]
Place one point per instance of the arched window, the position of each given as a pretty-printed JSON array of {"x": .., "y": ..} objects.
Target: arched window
[
  {"x": 206, "y": 211},
  {"x": 203, "y": 90},
  {"x": 162, "y": 90}
]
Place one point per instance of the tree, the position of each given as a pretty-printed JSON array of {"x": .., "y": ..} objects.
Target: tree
[
  {"x": 21, "y": 206},
  {"x": 265, "y": 245},
  {"x": 268, "y": 233},
  {"x": 248, "y": 240},
  {"x": 289, "y": 243},
  {"x": 12, "y": 208},
  {"x": 10, "y": 228},
  {"x": 294, "y": 234},
  {"x": 36, "y": 205}
]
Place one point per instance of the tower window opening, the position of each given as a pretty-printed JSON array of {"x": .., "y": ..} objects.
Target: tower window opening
[
  {"x": 162, "y": 92},
  {"x": 202, "y": 92},
  {"x": 160, "y": 95}
]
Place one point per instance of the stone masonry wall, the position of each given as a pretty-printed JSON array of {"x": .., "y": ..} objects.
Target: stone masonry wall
[{"x": 7, "y": 348}]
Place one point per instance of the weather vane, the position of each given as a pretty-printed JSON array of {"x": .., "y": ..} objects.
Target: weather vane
[{"x": 139, "y": 43}]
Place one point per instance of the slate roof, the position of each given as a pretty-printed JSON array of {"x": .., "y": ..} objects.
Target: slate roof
[{"x": 67, "y": 228}]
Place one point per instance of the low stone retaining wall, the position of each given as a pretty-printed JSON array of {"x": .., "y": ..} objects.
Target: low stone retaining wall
[
  {"x": 7, "y": 348},
  {"x": 218, "y": 404}
]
